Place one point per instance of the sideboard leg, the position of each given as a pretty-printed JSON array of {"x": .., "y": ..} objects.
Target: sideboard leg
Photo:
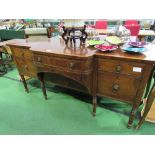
[
  {"x": 41, "y": 79},
  {"x": 24, "y": 83},
  {"x": 94, "y": 105},
  {"x": 132, "y": 116}
]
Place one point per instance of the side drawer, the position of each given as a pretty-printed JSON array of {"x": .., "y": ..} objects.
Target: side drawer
[
  {"x": 128, "y": 68},
  {"x": 121, "y": 87}
]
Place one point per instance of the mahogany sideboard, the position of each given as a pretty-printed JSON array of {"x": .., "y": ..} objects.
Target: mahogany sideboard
[{"x": 117, "y": 75}]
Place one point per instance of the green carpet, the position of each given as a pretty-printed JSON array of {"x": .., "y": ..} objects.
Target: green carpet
[{"x": 65, "y": 112}]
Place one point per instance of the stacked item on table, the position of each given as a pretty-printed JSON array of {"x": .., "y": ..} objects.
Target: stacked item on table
[
  {"x": 95, "y": 42},
  {"x": 114, "y": 40},
  {"x": 110, "y": 44},
  {"x": 106, "y": 47},
  {"x": 135, "y": 47}
]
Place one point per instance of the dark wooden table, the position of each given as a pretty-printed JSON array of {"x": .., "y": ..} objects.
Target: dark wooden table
[
  {"x": 117, "y": 75},
  {"x": 70, "y": 34}
]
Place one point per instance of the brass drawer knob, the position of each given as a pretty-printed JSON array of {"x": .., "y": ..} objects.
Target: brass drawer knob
[
  {"x": 118, "y": 68},
  {"x": 115, "y": 88},
  {"x": 39, "y": 59},
  {"x": 26, "y": 67},
  {"x": 71, "y": 65}
]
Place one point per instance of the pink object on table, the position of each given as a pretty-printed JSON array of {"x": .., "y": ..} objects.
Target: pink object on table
[
  {"x": 101, "y": 24},
  {"x": 134, "y": 29},
  {"x": 133, "y": 26},
  {"x": 106, "y": 47},
  {"x": 131, "y": 22}
]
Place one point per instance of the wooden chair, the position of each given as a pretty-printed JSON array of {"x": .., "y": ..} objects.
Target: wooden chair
[
  {"x": 7, "y": 59},
  {"x": 2, "y": 67}
]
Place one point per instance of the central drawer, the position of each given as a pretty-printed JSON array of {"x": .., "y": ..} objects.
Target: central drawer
[
  {"x": 128, "y": 68},
  {"x": 63, "y": 63},
  {"x": 69, "y": 64}
]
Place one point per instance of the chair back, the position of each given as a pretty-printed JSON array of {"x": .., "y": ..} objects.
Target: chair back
[
  {"x": 131, "y": 22},
  {"x": 133, "y": 26},
  {"x": 134, "y": 29},
  {"x": 101, "y": 24},
  {"x": 37, "y": 34}
]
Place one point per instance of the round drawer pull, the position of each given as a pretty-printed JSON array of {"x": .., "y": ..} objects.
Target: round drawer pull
[
  {"x": 39, "y": 59},
  {"x": 71, "y": 65},
  {"x": 115, "y": 87},
  {"x": 118, "y": 68},
  {"x": 26, "y": 67}
]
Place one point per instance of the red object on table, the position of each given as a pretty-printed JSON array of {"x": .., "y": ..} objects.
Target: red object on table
[
  {"x": 133, "y": 26},
  {"x": 130, "y": 22},
  {"x": 101, "y": 24}
]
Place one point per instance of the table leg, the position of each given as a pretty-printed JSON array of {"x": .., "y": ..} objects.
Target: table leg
[
  {"x": 132, "y": 115},
  {"x": 24, "y": 83},
  {"x": 94, "y": 105},
  {"x": 84, "y": 35},
  {"x": 141, "y": 38},
  {"x": 41, "y": 79},
  {"x": 64, "y": 35}
]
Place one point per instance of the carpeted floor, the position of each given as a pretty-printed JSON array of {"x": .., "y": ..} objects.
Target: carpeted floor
[{"x": 65, "y": 112}]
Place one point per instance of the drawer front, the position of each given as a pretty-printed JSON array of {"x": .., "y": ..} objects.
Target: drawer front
[
  {"x": 32, "y": 71},
  {"x": 68, "y": 64},
  {"x": 117, "y": 86},
  {"x": 40, "y": 59},
  {"x": 128, "y": 68},
  {"x": 63, "y": 64}
]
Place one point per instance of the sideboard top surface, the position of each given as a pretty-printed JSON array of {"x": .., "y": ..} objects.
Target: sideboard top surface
[{"x": 56, "y": 46}]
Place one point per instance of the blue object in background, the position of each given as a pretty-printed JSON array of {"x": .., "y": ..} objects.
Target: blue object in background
[{"x": 133, "y": 49}]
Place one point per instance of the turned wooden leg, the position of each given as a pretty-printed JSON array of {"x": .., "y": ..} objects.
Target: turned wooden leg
[
  {"x": 131, "y": 118},
  {"x": 94, "y": 105},
  {"x": 41, "y": 79},
  {"x": 24, "y": 83},
  {"x": 132, "y": 115}
]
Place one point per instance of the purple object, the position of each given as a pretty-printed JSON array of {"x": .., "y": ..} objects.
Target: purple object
[{"x": 137, "y": 44}]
